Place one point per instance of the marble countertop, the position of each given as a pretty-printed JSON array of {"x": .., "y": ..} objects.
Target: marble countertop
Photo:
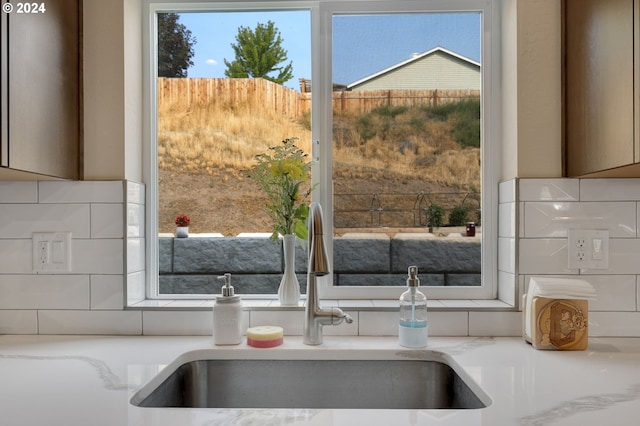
[{"x": 89, "y": 380}]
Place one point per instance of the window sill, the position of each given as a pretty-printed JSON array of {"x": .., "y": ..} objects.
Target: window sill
[{"x": 347, "y": 304}]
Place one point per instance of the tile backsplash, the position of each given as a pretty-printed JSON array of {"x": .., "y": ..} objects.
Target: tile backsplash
[
  {"x": 107, "y": 222},
  {"x": 548, "y": 208}
]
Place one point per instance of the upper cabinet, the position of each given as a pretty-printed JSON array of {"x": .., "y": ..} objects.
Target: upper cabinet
[
  {"x": 40, "y": 88},
  {"x": 601, "y": 88}
]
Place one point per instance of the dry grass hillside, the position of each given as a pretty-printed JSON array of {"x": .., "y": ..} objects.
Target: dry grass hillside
[{"x": 203, "y": 152}]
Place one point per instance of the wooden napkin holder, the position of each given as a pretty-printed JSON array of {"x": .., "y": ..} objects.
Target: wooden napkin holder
[{"x": 557, "y": 324}]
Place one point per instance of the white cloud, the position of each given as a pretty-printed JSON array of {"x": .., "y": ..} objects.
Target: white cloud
[{"x": 211, "y": 62}]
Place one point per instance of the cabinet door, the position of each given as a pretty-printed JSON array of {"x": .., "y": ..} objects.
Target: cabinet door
[
  {"x": 599, "y": 85},
  {"x": 42, "y": 64}
]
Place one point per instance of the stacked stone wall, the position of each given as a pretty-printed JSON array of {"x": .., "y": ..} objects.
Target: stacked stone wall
[{"x": 192, "y": 265}]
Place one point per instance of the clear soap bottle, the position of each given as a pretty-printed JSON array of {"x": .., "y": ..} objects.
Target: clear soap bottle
[
  {"x": 227, "y": 315},
  {"x": 413, "y": 328}
]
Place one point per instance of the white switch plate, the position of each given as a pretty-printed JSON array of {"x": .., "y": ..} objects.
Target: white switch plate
[
  {"x": 51, "y": 251},
  {"x": 588, "y": 249}
]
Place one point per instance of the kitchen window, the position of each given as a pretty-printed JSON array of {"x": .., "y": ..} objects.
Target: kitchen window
[{"x": 375, "y": 194}]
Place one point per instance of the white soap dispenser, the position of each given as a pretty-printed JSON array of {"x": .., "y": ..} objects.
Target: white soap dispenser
[
  {"x": 227, "y": 315},
  {"x": 413, "y": 329}
]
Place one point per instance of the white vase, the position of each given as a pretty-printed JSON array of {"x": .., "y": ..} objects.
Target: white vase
[
  {"x": 289, "y": 290},
  {"x": 182, "y": 231}
]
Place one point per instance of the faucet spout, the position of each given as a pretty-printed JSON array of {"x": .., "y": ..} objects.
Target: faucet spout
[{"x": 315, "y": 316}]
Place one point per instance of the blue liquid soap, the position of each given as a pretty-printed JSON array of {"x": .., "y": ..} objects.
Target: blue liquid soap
[{"x": 413, "y": 326}]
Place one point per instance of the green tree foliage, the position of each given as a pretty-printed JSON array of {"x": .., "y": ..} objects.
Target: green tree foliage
[
  {"x": 435, "y": 216},
  {"x": 258, "y": 54},
  {"x": 458, "y": 215},
  {"x": 175, "y": 46}
]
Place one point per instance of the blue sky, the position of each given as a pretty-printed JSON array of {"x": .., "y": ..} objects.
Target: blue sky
[{"x": 363, "y": 45}]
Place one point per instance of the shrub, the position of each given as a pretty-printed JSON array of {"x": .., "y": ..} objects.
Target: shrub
[
  {"x": 458, "y": 216},
  {"x": 435, "y": 216}
]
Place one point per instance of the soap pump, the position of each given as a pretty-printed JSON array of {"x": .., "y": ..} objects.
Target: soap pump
[
  {"x": 412, "y": 330},
  {"x": 227, "y": 315}
]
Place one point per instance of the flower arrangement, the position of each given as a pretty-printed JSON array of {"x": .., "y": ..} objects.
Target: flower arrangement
[
  {"x": 183, "y": 220},
  {"x": 280, "y": 173}
]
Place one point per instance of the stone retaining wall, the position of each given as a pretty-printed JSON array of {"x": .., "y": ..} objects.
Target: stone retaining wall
[{"x": 191, "y": 265}]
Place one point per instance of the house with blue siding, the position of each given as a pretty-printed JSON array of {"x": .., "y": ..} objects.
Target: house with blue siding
[{"x": 436, "y": 69}]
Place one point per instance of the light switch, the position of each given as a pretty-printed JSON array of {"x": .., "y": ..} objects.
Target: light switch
[
  {"x": 597, "y": 249},
  {"x": 588, "y": 248},
  {"x": 51, "y": 252}
]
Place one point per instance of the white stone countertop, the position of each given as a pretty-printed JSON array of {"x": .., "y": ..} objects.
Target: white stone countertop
[{"x": 89, "y": 380}]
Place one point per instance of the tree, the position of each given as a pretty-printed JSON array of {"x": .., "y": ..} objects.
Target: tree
[
  {"x": 258, "y": 54},
  {"x": 175, "y": 46}
]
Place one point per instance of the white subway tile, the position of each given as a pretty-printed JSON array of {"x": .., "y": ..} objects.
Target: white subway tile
[
  {"x": 107, "y": 292},
  {"x": 614, "y": 292},
  {"x": 521, "y": 291},
  {"x": 610, "y": 189},
  {"x": 135, "y": 192},
  {"x": 90, "y": 322},
  {"x": 624, "y": 257},
  {"x": 135, "y": 255},
  {"x": 135, "y": 220},
  {"x": 180, "y": 323},
  {"x": 19, "y": 322},
  {"x": 506, "y": 254},
  {"x": 81, "y": 191},
  {"x": 549, "y": 189},
  {"x": 102, "y": 256},
  {"x": 495, "y": 323},
  {"x": 638, "y": 219},
  {"x": 507, "y": 191},
  {"x": 507, "y": 287},
  {"x": 521, "y": 218},
  {"x": 135, "y": 287},
  {"x": 448, "y": 323},
  {"x": 543, "y": 256},
  {"x": 18, "y": 192},
  {"x": 378, "y": 323},
  {"x": 22, "y": 220},
  {"x": 507, "y": 220},
  {"x": 291, "y": 321},
  {"x": 16, "y": 257},
  {"x": 614, "y": 324},
  {"x": 44, "y": 292},
  {"x": 107, "y": 220},
  {"x": 554, "y": 219}
]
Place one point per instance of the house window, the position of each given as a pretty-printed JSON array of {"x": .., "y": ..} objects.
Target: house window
[{"x": 398, "y": 87}]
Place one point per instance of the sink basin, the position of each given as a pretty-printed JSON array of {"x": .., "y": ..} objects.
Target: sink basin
[{"x": 296, "y": 383}]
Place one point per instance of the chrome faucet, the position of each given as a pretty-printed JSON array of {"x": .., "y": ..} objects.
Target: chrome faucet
[{"x": 314, "y": 315}]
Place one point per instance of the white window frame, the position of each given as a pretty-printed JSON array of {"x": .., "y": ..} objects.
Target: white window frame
[{"x": 321, "y": 15}]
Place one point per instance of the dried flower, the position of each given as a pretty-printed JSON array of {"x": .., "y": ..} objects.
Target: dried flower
[
  {"x": 280, "y": 174},
  {"x": 183, "y": 220}
]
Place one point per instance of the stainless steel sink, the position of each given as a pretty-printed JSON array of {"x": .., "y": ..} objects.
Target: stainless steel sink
[{"x": 354, "y": 384}]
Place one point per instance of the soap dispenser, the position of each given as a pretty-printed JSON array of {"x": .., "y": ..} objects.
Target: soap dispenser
[
  {"x": 412, "y": 330},
  {"x": 227, "y": 315}
]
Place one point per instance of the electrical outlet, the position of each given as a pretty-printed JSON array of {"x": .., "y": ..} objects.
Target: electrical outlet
[
  {"x": 51, "y": 251},
  {"x": 588, "y": 249}
]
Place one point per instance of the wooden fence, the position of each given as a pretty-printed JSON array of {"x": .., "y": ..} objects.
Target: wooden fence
[{"x": 186, "y": 92}]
